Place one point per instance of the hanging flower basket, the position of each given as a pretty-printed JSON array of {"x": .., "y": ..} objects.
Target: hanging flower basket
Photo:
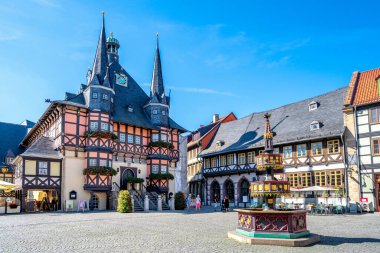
[
  {"x": 162, "y": 144},
  {"x": 101, "y": 134},
  {"x": 161, "y": 176},
  {"x": 104, "y": 171}
]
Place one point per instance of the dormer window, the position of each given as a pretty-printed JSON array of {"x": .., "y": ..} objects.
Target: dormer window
[
  {"x": 130, "y": 108},
  {"x": 219, "y": 143},
  {"x": 105, "y": 96},
  {"x": 154, "y": 112},
  {"x": 94, "y": 95},
  {"x": 314, "y": 125},
  {"x": 313, "y": 106}
]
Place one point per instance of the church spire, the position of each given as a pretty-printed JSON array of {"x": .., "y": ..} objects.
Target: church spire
[
  {"x": 99, "y": 69},
  {"x": 157, "y": 85}
]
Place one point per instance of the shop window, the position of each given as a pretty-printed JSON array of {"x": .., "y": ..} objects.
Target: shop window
[
  {"x": 250, "y": 157},
  {"x": 333, "y": 146},
  {"x": 316, "y": 148},
  {"x": 305, "y": 179},
  {"x": 288, "y": 152},
  {"x": 375, "y": 146},
  {"x": 301, "y": 150},
  {"x": 293, "y": 179},
  {"x": 223, "y": 160},
  {"x": 241, "y": 158},
  {"x": 230, "y": 159}
]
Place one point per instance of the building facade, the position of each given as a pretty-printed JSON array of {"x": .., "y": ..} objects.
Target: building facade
[
  {"x": 361, "y": 109},
  {"x": 197, "y": 141},
  {"x": 108, "y": 136},
  {"x": 309, "y": 135}
]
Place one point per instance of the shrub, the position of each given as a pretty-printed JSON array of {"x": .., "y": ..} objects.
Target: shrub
[
  {"x": 179, "y": 201},
  {"x": 124, "y": 202},
  {"x": 162, "y": 144},
  {"x": 161, "y": 176},
  {"x": 134, "y": 180},
  {"x": 104, "y": 171}
]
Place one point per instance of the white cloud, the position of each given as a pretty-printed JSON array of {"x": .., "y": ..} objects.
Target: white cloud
[
  {"x": 274, "y": 63},
  {"x": 47, "y": 3}
]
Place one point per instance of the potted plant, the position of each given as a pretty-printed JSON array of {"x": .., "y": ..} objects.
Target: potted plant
[{"x": 13, "y": 205}]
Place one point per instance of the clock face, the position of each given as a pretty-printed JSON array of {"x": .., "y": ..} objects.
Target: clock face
[{"x": 121, "y": 79}]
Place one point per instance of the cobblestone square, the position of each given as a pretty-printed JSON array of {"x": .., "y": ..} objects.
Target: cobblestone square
[{"x": 170, "y": 232}]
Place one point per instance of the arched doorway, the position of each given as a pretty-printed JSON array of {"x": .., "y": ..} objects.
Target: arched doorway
[
  {"x": 94, "y": 202},
  {"x": 244, "y": 188},
  {"x": 230, "y": 190},
  {"x": 215, "y": 192},
  {"x": 127, "y": 174}
]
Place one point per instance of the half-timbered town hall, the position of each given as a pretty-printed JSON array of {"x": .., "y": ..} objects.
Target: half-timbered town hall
[{"x": 109, "y": 136}]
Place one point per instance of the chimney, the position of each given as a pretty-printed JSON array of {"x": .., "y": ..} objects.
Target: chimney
[{"x": 215, "y": 118}]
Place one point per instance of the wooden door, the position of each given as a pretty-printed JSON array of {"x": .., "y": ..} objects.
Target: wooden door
[{"x": 377, "y": 191}]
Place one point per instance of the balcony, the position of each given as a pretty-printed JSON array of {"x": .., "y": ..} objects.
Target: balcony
[
  {"x": 229, "y": 170},
  {"x": 97, "y": 182}
]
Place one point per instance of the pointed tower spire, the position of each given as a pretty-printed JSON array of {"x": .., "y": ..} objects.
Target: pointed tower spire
[
  {"x": 157, "y": 85},
  {"x": 268, "y": 135},
  {"x": 99, "y": 69}
]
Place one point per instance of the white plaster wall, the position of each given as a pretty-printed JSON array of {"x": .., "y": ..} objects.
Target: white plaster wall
[
  {"x": 375, "y": 128},
  {"x": 362, "y": 112},
  {"x": 365, "y": 150},
  {"x": 376, "y": 159},
  {"x": 363, "y": 129},
  {"x": 140, "y": 166},
  {"x": 363, "y": 119},
  {"x": 364, "y": 141},
  {"x": 365, "y": 159}
]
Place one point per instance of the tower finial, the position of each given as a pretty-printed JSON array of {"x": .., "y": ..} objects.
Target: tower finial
[
  {"x": 157, "y": 37},
  {"x": 268, "y": 135}
]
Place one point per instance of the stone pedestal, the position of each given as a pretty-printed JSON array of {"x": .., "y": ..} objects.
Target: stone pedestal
[
  {"x": 171, "y": 204},
  {"x": 146, "y": 203},
  {"x": 159, "y": 203}
]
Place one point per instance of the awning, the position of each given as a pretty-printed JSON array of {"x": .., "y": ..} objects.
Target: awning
[
  {"x": 7, "y": 187},
  {"x": 312, "y": 189}
]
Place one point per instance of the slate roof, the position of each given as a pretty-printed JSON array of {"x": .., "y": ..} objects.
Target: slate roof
[
  {"x": 363, "y": 88},
  {"x": 44, "y": 147},
  {"x": 290, "y": 123},
  {"x": 11, "y": 136}
]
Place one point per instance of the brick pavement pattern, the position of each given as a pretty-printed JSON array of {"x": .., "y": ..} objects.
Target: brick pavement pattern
[{"x": 170, "y": 232}]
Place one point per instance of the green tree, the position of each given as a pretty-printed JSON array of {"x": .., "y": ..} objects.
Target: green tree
[
  {"x": 179, "y": 201},
  {"x": 124, "y": 202}
]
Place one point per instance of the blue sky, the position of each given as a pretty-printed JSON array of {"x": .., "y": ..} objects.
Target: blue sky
[{"x": 217, "y": 56}]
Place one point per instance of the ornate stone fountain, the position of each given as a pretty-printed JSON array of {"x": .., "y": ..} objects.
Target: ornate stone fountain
[{"x": 267, "y": 225}]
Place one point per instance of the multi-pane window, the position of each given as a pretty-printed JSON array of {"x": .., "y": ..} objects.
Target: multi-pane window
[
  {"x": 288, "y": 152},
  {"x": 305, "y": 179},
  {"x": 42, "y": 168},
  {"x": 301, "y": 150},
  {"x": 374, "y": 115},
  {"x": 122, "y": 137},
  {"x": 223, "y": 160},
  {"x": 241, "y": 158},
  {"x": 164, "y": 137},
  {"x": 155, "y": 169},
  {"x": 103, "y": 162},
  {"x": 92, "y": 162},
  {"x": 336, "y": 178},
  {"x": 276, "y": 151},
  {"x": 333, "y": 146},
  {"x": 154, "y": 112},
  {"x": 250, "y": 157},
  {"x": 164, "y": 169},
  {"x": 138, "y": 140},
  {"x": 93, "y": 126},
  {"x": 207, "y": 163},
  {"x": 94, "y": 95},
  {"x": 214, "y": 162},
  {"x": 155, "y": 137},
  {"x": 230, "y": 159},
  {"x": 104, "y": 126},
  {"x": 320, "y": 178},
  {"x": 293, "y": 180},
  {"x": 105, "y": 96},
  {"x": 375, "y": 146},
  {"x": 130, "y": 138},
  {"x": 316, "y": 148}
]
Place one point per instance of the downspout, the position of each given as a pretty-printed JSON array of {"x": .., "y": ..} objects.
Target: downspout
[
  {"x": 358, "y": 153},
  {"x": 346, "y": 167}
]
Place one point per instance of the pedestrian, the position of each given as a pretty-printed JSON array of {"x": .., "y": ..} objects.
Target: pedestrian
[
  {"x": 215, "y": 201},
  {"x": 198, "y": 203},
  {"x": 188, "y": 201},
  {"x": 226, "y": 204}
]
